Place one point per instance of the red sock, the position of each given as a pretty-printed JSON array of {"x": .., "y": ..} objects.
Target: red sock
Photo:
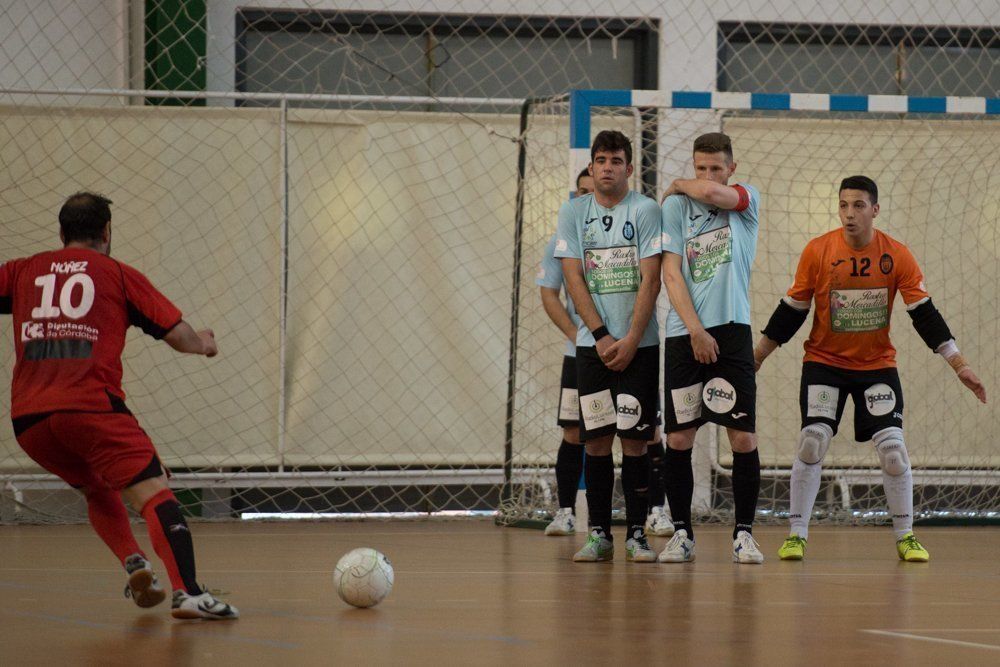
[
  {"x": 171, "y": 539},
  {"x": 109, "y": 518}
]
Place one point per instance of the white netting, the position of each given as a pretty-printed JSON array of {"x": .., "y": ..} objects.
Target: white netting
[
  {"x": 938, "y": 193},
  {"x": 354, "y": 249}
]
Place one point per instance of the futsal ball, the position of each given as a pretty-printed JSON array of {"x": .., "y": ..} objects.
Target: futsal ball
[{"x": 363, "y": 577}]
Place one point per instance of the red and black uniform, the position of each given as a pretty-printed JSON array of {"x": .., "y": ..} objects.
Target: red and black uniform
[{"x": 71, "y": 309}]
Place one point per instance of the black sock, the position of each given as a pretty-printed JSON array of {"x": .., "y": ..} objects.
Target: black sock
[
  {"x": 635, "y": 484},
  {"x": 600, "y": 477},
  {"x": 746, "y": 489},
  {"x": 569, "y": 467},
  {"x": 678, "y": 480},
  {"x": 655, "y": 454}
]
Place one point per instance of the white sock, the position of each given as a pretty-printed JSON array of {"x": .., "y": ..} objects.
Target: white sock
[
  {"x": 804, "y": 487},
  {"x": 899, "y": 495}
]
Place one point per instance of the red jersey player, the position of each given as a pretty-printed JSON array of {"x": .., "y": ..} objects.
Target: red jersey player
[{"x": 71, "y": 309}]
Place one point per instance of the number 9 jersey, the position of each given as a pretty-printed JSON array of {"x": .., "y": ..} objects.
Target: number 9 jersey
[{"x": 71, "y": 309}]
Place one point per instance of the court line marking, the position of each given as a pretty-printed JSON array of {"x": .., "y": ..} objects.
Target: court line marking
[
  {"x": 153, "y": 632},
  {"x": 936, "y": 640}
]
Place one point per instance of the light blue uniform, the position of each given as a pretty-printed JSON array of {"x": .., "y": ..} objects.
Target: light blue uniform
[
  {"x": 550, "y": 275},
  {"x": 718, "y": 248},
  {"x": 611, "y": 243}
]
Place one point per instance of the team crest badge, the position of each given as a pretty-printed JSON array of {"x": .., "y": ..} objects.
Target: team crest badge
[
  {"x": 628, "y": 231},
  {"x": 885, "y": 263}
]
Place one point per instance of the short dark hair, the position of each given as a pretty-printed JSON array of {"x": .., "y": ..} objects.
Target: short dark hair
[
  {"x": 714, "y": 142},
  {"x": 860, "y": 183},
  {"x": 611, "y": 141},
  {"x": 84, "y": 216},
  {"x": 585, "y": 172}
]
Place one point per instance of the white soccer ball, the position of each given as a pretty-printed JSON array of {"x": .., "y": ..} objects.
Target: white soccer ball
[{"x": 363, "y": 577}]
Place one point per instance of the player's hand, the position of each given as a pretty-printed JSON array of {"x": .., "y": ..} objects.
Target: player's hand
[
  {"x": 672, "y": 190},
  {"x": 209, "y": 348},
  {"x": 620, "y": 354},
  {"x": 970, "y": 380},
  {"x": 603, "y": 345},
  {"x": 705, "y": 349}
]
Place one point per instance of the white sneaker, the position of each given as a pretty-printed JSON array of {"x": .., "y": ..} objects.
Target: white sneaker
[
  {"x": 637, "y": 548},
  {"x": 746, "y": 550},
  {"x": 563, "y": 523},
  {"x": 598, "y": 548},
  {"x": 678, "y": 550},
  {"x": 658, "y": 523},
  {"x": 201, "y": 606},
  {"x": 142, "y": 586}
]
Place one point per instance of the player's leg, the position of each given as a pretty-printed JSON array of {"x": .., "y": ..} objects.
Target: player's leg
[
  {"x": 105, "y": 510},
  {"x": 822, "y": 397},
  {"x": 171, "y": 538},
  {"x": 730, "y": 400},
  {"x": 597, "y": 430},
  {"x": 121, "y": 455},
  {"x": 636, "y": 390},
  {"x": 682, "y": 415},
  {"x": 879, "y": 417},
  {"x": 658, "y": 520},
  {"x": 569, "y": 460}
]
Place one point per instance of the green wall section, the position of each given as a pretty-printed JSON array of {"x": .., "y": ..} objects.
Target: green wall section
[{"x": 176, "y": 44}]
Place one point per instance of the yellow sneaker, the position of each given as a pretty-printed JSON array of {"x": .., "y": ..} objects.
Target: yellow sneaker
[
  {"x": 910, "y": 550},
  {"x": 793, "y": 548}
]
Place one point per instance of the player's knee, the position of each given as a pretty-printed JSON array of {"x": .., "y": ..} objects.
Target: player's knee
[
  {"x": 814, "y": 441},
  {"x": 681, "y": 440},
  {"x": 892, "y": 450},
  {"x": 742, "y": 442},
  {"x": 571, "y": 434}
]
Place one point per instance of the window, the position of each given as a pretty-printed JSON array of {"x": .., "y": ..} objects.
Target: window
[{"x": 885, "y": 59}]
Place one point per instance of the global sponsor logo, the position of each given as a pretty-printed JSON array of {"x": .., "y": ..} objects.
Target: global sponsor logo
[
  {"x": 719, "y": 396},
  {"x": 629, "y": 412},
  {"x": 880, "y": 399}
]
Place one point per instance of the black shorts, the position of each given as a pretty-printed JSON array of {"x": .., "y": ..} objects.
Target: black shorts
[
  {"x": 569, "y": 399},
  {"x": 723, "y": 393},
  {"x": 877, "y": 396},
  {"x": 618, "y": 402}
]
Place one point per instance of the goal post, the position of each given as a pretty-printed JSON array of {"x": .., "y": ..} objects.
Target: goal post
[{"x": 933, "y": 158}]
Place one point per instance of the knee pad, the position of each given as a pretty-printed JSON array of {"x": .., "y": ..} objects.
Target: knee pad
[
  {"x": 891, "y": 451},
  {"x": 814, "y": 440}
]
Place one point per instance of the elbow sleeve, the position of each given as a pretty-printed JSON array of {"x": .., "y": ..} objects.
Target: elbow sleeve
[
  {"x": 784, "y": 322},
  {"x": 930, "y": 324}
]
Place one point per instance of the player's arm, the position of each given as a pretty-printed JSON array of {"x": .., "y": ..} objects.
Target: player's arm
[
  {"x": 726, "y": 197},
  {"x": 621, "y": 353},
  {"x": 557, "y": 312},
  {"x": 6, "y": 288},
  {"x": 576, "y": 287},
  {"x": 184, "y": 338},
  {"x": 704, "y": 346},
  {"x": 792, "y": 310},
  {"x": 568, "y": 252},
  {"x": 930, "y": 324}
]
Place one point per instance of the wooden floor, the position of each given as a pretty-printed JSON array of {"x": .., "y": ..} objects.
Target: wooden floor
[{"x": 472, "y": 593}]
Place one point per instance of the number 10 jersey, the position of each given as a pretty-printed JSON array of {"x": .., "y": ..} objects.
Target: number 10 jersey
[{"x": 71, "y": 309}]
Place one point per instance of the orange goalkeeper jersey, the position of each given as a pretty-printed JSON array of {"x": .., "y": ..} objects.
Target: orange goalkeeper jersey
[{"x": 854, "y": 291}]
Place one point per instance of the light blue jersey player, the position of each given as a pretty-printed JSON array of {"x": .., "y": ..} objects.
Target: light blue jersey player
[
  {"x": 609, "y": 243},
  {"x": 569, "y": 460},
  {"x": 709, "y": 242}
]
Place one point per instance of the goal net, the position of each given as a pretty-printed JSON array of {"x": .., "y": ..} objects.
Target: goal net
[{"x": 939, "y": 195}]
